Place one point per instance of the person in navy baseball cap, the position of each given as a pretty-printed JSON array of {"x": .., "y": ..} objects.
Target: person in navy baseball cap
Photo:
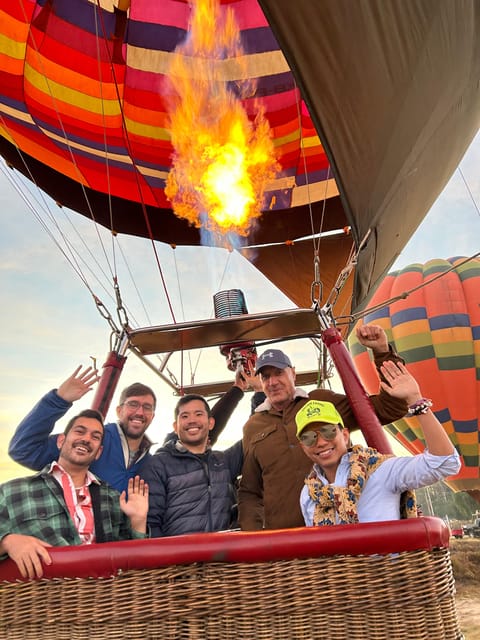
[
  {"x": 272, "y": 358},
  {"x": 274, "y": 464}
]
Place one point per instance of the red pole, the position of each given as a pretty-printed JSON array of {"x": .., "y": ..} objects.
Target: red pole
[
  {"x": 356, "y": 394},
  {"x": 108, "y": 382}
]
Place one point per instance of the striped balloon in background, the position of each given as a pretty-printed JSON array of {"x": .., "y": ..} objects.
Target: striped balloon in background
[{"x": 436, "y": 329}]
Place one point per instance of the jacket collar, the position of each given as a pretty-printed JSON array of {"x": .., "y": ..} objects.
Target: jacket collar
[{"x": 267, "y": 405}]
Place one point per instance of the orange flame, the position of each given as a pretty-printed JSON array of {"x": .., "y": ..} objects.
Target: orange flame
[{"x": 222, "y": 160}]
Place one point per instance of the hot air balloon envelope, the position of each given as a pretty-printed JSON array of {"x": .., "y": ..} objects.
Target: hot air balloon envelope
[{"x": 436, "y": 329}]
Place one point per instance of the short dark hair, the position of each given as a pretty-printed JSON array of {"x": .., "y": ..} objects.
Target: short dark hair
[
  {"x": 86, "y": 413},
  {"x": 137, "y": 389},
  {"x": 188, "y": 398}
]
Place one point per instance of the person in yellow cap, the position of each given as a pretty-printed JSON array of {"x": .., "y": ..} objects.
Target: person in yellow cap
[
  {"x": 274, "y": 466},
  {"x": 358, "y": 484}
]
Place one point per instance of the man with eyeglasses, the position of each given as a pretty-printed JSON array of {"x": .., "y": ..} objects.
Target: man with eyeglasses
[
  {"x": 274, "y": 465},
  {"x": 125, "y": 446},
  {"x": 358, "y": 484}
]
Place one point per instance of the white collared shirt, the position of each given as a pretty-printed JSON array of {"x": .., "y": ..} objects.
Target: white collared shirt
[{"x": 380, "y": 499}]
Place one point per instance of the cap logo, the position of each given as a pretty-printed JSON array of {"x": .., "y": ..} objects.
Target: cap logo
[
  {"x": 313, "y": 411},
  {"x": 317, "y": 411},
  {"x": 273, "y": 358}
]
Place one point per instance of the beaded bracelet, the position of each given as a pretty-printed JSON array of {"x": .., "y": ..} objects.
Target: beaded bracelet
[{"x": 419, "y": 407}]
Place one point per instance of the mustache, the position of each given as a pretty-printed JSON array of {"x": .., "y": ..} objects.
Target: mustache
[{"x": 82, "y": 443}]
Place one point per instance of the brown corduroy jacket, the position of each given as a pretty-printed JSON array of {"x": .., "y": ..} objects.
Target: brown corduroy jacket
[{"x": 275, "y": 466}]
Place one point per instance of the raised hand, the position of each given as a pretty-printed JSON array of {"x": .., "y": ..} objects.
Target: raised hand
[
  {"x": 399, "y": 382},
  {"x": 246, "y": 379},
  {"x": 372, "y": 336},
  {"x": 402, "y": 384},
  {"x": 78, "y": 384},
  {"x": 136, "y": 506},
  {"x": 28, "y": 553}
]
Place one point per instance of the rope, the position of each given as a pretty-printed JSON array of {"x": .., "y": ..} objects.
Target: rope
[
  {"x": 316, "y": 284},
  {"x": 469, "y": 191},
  {"x": 105, "y": 146},
  {"x": 136, "y": 171},
  {"x": 357, "y": 316},
  {"x": 69, "y": 252}
]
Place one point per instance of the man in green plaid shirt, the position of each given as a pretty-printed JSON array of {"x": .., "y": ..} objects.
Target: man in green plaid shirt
[{"x": 65, "y": 504}]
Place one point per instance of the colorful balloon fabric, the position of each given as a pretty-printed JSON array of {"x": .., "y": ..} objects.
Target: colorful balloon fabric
[
  {"x": 83, "y": 115},
  {"x": 436, "y": 329}
]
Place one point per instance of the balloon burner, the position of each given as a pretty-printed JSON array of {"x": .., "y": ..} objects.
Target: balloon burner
[{"x": 228, "y": 304}]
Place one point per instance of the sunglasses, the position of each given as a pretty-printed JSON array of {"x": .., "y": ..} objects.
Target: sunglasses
[{"x": 327, "y": 431}]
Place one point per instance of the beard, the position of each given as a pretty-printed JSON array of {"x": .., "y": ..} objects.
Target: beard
[{"x": 132, "y": 433}]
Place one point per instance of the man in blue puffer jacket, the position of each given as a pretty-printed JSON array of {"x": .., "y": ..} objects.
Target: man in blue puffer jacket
[{"x": 192, "y": 487}]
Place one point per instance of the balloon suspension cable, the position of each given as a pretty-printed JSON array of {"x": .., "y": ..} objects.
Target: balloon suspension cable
[
  {"x": 106, "y": 314},
  {"x": 113, "y": 367},
  {"x": 72, "y": 255},
  {"x": 103, "y": 33},
  {"x": 121, "y": 311},
  {"x": 137, "y": 173},
  {"x": 117, "y": 336},
  {"x": 402, "y": 296},
  {"x": 326, "y": 366},
  {"x": 43, "y": 213},
  {"x": 308, "y": 238},
  {"x": 316, "y": 244},
  {"x": 342, "y": 279},
  {"x": 316, "y": 288},
  {"x": 68, "y": 143}
]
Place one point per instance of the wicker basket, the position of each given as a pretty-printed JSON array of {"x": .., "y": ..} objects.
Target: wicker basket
[{"x": 311, "y": 583}]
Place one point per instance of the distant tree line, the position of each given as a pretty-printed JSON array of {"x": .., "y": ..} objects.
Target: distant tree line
[{"x": 439, "y": 500}]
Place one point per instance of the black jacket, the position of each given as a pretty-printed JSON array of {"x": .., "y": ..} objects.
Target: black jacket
[{"x": 191, "y": 493}]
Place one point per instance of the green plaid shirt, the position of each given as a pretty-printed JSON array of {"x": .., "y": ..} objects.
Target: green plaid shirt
[{"x": 35, "y": 506}]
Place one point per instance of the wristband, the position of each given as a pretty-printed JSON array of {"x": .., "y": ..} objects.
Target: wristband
[{"x": 420, "y": 406}]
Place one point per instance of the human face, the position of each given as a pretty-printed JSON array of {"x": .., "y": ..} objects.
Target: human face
[
  {"x": 326, "y": 452},
  {"x": 193, "y": 426},
  {"x": 278, "y": 385},
  {"x": 82, "y": 444},
  {"x": 135, "y": 420}
]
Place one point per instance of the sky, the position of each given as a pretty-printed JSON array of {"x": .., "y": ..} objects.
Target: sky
[{"x": 50, "y": 323}]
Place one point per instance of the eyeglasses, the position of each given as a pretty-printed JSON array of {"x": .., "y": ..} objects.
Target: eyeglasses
[
  {"x": 134, "y": 405},
  {"x": 327, "y": 431}
]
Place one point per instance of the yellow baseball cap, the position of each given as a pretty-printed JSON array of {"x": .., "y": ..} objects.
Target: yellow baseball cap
[{"x": 317, "y": 411}]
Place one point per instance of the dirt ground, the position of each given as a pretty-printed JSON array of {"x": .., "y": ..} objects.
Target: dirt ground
[
  {"x": 466, "y": 568},
  {"x": 468, "y": 608}
]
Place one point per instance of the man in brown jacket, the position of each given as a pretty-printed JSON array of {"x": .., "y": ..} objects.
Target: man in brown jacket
[{"x": 274, "y": 465}]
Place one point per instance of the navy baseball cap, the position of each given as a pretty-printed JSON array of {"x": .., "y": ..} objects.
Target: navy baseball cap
[{"x": 273, "y": 358}]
